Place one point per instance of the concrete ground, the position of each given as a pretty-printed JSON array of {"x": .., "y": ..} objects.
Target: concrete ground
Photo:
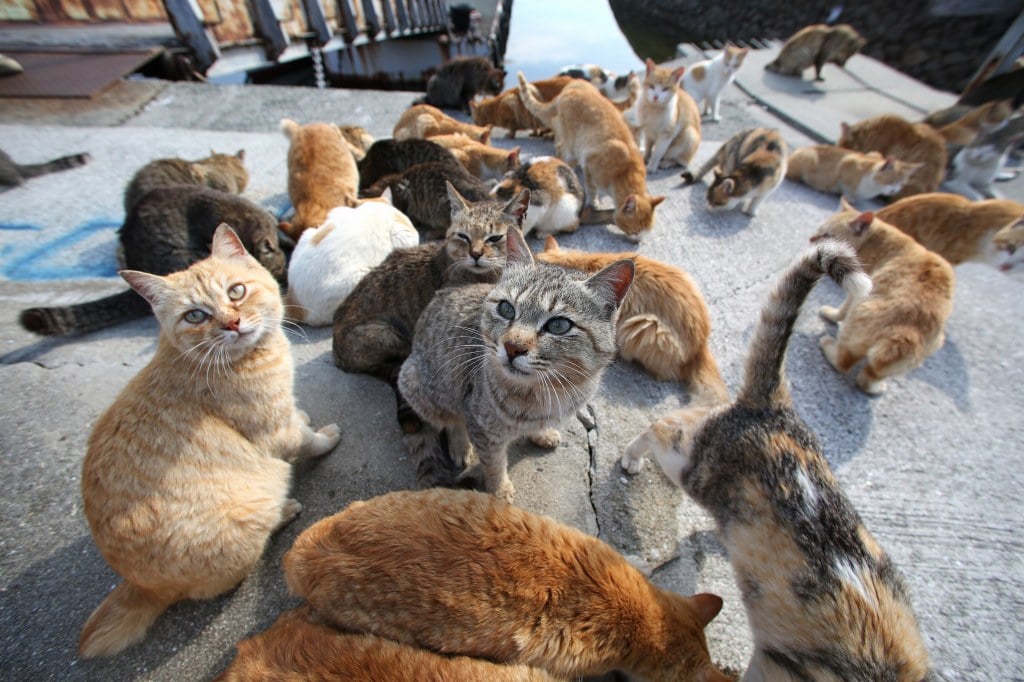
[{"x": 934, "y": 465}]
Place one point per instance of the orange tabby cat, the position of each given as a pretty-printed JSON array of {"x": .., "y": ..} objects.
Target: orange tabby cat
[
  {"x": 893, "y": 136},
  {"x": 853, "y": 174},
  {"x": 461, "y": 572},
  {"x": 507, "y": 111},
  {"x": 1009, "y": 246},
  {"x": 663, "y": 323},
  {"x": 980, "y": 119},
  {"x": 953, "y": 226},
  {"x": 591, "y": 132},
  {"x": 322, "y": 173},
  {"x": 669, "y": 119},
  {"x": 187, "y": 472},
  {"x": 903, "y": 320},
  {"x": 482, "y": 160},
  {"x": 423, "y": 120},
  {"x": 300, "y": 647}
]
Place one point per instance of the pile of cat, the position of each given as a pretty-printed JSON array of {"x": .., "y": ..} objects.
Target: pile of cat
[{"x": 414, "y": 249}]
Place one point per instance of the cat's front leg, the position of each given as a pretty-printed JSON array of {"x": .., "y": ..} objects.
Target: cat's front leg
[
  {"x": 658, "y": 150},
  {"x": 714, "y": 108},
  {"x": 548, "y": 439},
  {"x": 494, "y": 463},
  {"x": 312, "y": 443}
]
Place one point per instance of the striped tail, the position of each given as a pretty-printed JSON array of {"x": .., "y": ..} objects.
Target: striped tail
[
  {"x": 765, "y": 382},
  {"x": 434, "y": 466},
  {"x": 85, "y": 317},
  {"x": 32, "y": 170}
]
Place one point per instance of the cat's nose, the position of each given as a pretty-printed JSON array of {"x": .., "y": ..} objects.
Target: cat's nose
[
  {"x": 476, "y": 255},
  {"x": 232, "y": 325},
  {"x": 514, "y": 350}
]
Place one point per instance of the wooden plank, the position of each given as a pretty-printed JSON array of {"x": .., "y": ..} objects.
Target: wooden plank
[
  {"x": 268, "y": 28},
  {"x": 191, "y": 31},
  {"x": 316, "y": 21},
  {"x": 347, "y": 20},
  {"x": 371, "y": 23}
]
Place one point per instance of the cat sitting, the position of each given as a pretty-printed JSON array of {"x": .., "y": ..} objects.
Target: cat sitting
[
  {"x": 421, "y": 121},
  {"x": 507, "y": 110},
  {"x": 458, "y": 81},
  {"x": 462, "y": 573},
  {"x": 668, "y": 117},
  {"x": 748, "y": 168},
  {"x": 482, "y": 160},
  {"x": 187, "y": 473},
  {"x": 706, "y": 80},
  {"x": 816, "y": 45},
  {"x": 224, "y": 172},
  {"x": 322, "y": 174},
  {"x": 855, "y": 175},
  {"x": 531, "y": 352},
  {"x": 891, "y": 135},
  {"x": 903, "y": 321},
  {"x": 823, "y": 599},
  {"x": 556, "y": 196},
  {"x": 12, "y": 173}
]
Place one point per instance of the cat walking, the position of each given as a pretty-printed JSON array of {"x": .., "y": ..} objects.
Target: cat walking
[
  {"x": 816, "y": 45},
  {"x": 707, "y": 79},
  {"x": 668, "y": 117},
  {"x": 748, "y": 168}
]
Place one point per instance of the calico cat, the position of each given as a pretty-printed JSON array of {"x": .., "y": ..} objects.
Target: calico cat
[
  {"x": 357, "y": 138},
  {"x": 388, "y": 157},
  {"x": 816, "y": 45},
  {"x": 421, "y": 121},
  {"x": 853, "y": 174},
  {"x": 972, "y": 170},
  {"x": 748, "y": 167},
  {"x": 978, "y": 120},
  {"x": 322, "y": 174},
  {"x": 669, "y": 119},
  {"x": 706, "y": 80},
  {"x": 823, "y": 599},
  {"x": 482, "y": 160},
  {"x": 903, "y": 322},
  {"x": 591, "y": 132},
  {"x": 507, "y": 110},
  {"x": 169, "y": 229},
  {"x": 663, "y": 324},
  {"x": 300, "y": 646},
  {"x": 373, "y": 325},
  {"x": 462, "y": 573},
  {"x": 1008, "y": 243},
  {"x": 891, "y": 135},
  {"x": 612, "y": 85},
  {"x": 224, "y": 172},
  {"x": 497, "y": 362},
  {"x": 187, "y": 473},
  {"x": 460, "y": 80},
  {"x": 556, "y": 196},
  {"x": 953, "y": 226},
  {"x": 329, "y": 260},
  {"x": 13, "y": 173}
]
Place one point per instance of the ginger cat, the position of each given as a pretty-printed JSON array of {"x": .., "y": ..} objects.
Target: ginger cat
[
  {"x": 463, "y": 573},
  {"x": 981, "y": 119},
  {"x": 855, "y": 175},
  {"x": 669, "y": 119},
  {"x": 953, "y": 226},
  {"x": 482, "y": 160},
  {"x": 748, "y": 168},
  {"x": 903, "y": 321},
  {"x": 421, "y": 121},
  {"x": 591, "y": 132},
  {"x": 1009, "y": 246},
  {"x": 322, "y": 174},
  {"x": 891, "y": 135},
  {"x": 358, "y": 140},
  {"x": 816, "y": 45},
  {"x": 507, "y": 110},
  {"x": 663, "y": 325},
  {"x": 187, "y": 472}
]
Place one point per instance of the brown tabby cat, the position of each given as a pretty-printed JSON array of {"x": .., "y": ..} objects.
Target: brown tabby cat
[
  {"x": 299, "y": 647},
  {"x": 591, "y": 132},
  {"x": 224, "y": 172},
  {"x": 187, "y": 473},
  {"x": 891, "y": 135},
  {"x": 816, "y": 45},
  {"x": 421, "y": 121},
  {"x": 903, "y": 321},
  {"x": 507, "y": 110},
  {"x": 669, "y": 119},
  {"x": 12, "y": 173},
  {"x": 824, "y": 600},
  {"x": 748, "y": 167},
  {"x": 322, "y": 174},
  {"x": 953, "y": 226},
  {"x": 855, "y": 175},
  {"x": 663, "y": 324},
  {"x": 388, "y": 157},
  {"x": 482, "y": 160},
  {"x": 462, "y": 573},
  {"x": 460, "y": 80}
]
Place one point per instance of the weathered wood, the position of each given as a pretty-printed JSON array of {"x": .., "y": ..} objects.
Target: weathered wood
[
  {"x": 192, "y": 32},
  {"x": 316, "y": 21},
  {"x": 268, "y": 28}
]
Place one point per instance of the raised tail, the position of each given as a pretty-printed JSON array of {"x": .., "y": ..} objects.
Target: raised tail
[
  {"x": 85, "y": 317},
  {"x": 120, "y": 620},
  {"x": 530, "y": 98},
  {"x": 765, "y": 383}
]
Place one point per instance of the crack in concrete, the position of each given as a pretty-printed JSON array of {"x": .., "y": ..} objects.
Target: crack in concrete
[{"x": 589, "y": 420}]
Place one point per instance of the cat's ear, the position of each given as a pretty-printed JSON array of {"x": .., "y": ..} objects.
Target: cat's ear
[
  {"x": 518, "y": 206},
  {"x": 861, "y": 223},
  {"x": 240, "y": 155},
  {"x": 458, "y": 204},
  {"x": 890, "y": 161},
  {"x": 845, "y": 205},
  {"x": 707, "y": 606},
  {"x": 677, "y": 74},
  {"x": 650, "y": 65},
  {"x": 844, "y": 127},
  {"x": 656, "y": 200},
  {"x": 729, "y": 186},
  {"x": 386, "y": 196},
  {"x": 517, "y": 251},
  {"x": 226, "y": 243},
  {"x": 551, "y": 244},
  {"x": 150, "y": 287},
  {"x": 513, "y": 159},
  {"x": 613, "y": 281},
  {"x": 629, "y": 205}
]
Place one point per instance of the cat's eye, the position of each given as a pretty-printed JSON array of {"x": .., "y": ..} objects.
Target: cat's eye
[
  {"x": 495, "y": 238},
  {"x": 507, "y": 310},
  {"x": 195, "y": 316},
  {"x": 558, "y": 325},
  {"x": 236, "y": 292},
  {"x": 464, "y": 237}
]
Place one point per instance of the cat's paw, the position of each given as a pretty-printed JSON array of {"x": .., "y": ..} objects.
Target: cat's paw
[
  {"x": 829, "y": 313},
  {"x": 548, "y": 439},
  {"x": 871, "y": 387},
  {"x": 506, "y": 492},
  {"x": 631, "y": 463},
  {"x": 303, "y": 417},
  {"x": 687, "y": 177},
  {"x": 331, "y": 436},
  {"x": 289, "y": 510}
]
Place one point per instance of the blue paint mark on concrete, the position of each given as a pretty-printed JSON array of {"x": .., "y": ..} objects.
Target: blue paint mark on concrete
[
  {"x": 19, "y": 227},
  {"x": 48, "y": 260}
]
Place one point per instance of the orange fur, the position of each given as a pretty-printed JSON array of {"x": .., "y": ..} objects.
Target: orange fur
[
  {"x": 669, "y": 119},
  {"x": 322, "y": 173},
  {"x": 843, "y": 171},
  {"x": 423, "y": 121},
  {"x": 482, "y": 160},
  {"x": 893, "y": 136},
  {"x": 507, "y": 110},
  {"x": 980, "y": 119}
]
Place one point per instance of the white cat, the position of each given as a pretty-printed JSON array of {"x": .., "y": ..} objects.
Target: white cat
[
  {"x": 329, "y": 260},
  {"x": 706, "y": 80}
]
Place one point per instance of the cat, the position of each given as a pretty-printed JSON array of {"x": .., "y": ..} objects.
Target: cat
[
  {"x": 373, "y": 326},
  {"x": 357, "y": 138},
  {"x": 984, "y": 118},
  {"x": 748, "y": 168},
  {"x": 855, "y": 175},
  {"x": 328, "y": 261},
  {"x": 953, "y": 226},
  {"x": 612, "y": 85},
  {"x": 224, "y": 172},
  {"x": 664, "y": 324},
  {"x": 507, "y": 111},
  {"x": 462, "y": 573},
  {"x": 13, "y": 173},
  {"x": 591, "y": 132},
  {"x": 903, "y": 321},
  {"x": 482, "y": 160},
  {"x": 1008, "y": 243},
  {"x": 300, "y": 646},
  {"x": 669, "y": 119},
  {"x": 458, "y": 81},
  {"x": 556, "y": 195},
  {"x": 706, "y": 80},
  {"x": 186, "y": 475},
  {"x": 421, "y": 121},
  {"x": 322, "y": 174},
  {"x": 892, "y": 135},
  {"x": 169, "y": 229},
  {"x": 817, "y": 45},
  {"x": 972, "y": 169},
  {"x": 823, "y": 599},
  {"x": 387, "y": 157},
  {"x": 494, "y": 362}
]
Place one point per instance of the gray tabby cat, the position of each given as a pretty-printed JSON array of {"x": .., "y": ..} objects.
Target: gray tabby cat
[
  {"x": 494, "y": 363},
  {"x": 12, "y": 173},
  {"x": 225, "y": 172}
]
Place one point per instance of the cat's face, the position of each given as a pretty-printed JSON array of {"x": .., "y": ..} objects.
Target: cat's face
[
  {"x": 733, "y": 59},
  {"x": 1008, "y": 244},
  {"x": 660, "y": 84},
  {"x": 892, "y": 174},
  {"x": 476, "y": 239},
  {"x": 849, "y": 225},
  {"x": 636, "y": 214}
]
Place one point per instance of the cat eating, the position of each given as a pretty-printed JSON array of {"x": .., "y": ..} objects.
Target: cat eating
[{"x": 748, "y": 168}]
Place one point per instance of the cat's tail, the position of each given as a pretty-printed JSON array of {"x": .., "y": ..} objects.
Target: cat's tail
[
  {"x": 85, "y": 317},
  {"x": 706, "y": 382},
  {"x": 765, "y": 383},
  {"x": 121, "y": 620},
  {"x": 32, "y": 170},
  {"x": 530, "y": 97},
  {"x": 434, "y": 466}
]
